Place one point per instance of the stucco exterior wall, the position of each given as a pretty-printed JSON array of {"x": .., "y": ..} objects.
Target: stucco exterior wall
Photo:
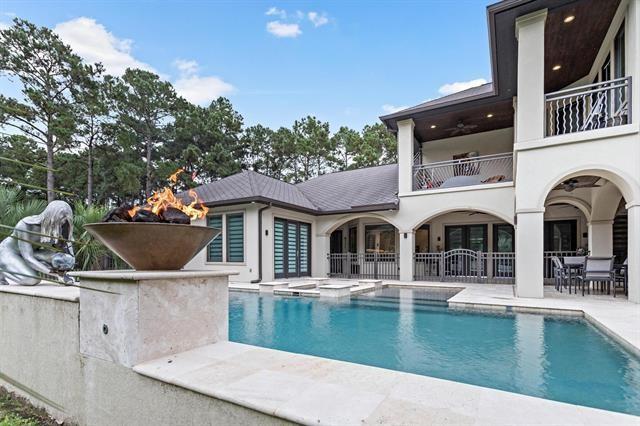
[{"x": 40, "y": 359}]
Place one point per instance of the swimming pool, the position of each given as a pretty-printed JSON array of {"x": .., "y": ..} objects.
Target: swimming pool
[{"x": 559, "y": 358}]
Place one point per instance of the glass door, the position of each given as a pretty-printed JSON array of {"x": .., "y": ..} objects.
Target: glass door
[{"x": 292, "y": 248}]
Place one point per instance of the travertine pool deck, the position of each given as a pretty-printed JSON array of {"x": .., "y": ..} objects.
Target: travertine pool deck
[{"x": 317, "y": 391}]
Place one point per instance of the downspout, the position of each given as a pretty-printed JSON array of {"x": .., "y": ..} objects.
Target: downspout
[{"x": 260, "y": 244}]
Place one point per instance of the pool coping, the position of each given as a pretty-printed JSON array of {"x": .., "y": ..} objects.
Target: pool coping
[{"x": 310, "y": 390}]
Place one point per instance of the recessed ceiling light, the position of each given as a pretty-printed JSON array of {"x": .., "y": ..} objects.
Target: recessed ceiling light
[
  {"x": 433, "y": 126},
  {"x": 489, "y": 115},
  {"x": 556, "y": 67},
  {"x": 569, "y": 19}
]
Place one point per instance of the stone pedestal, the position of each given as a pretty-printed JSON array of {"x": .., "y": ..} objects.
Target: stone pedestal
[{"x": 128, "y": 317}]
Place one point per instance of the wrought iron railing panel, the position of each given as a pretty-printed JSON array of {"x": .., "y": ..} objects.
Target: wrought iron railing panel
[
  {"x": 590, "y": 107},
  {"x": 364, "y": 265},
  {"x": 462, "y": 265},
  {"x": 464, "y": 172}
]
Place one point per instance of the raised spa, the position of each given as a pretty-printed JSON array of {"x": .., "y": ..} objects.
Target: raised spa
[{"x": 559, "y": 358}]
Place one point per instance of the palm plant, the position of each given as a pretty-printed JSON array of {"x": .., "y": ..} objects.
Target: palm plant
[
  {"x": 14, "y": 206},
  {"x": 90, "y": 254}
]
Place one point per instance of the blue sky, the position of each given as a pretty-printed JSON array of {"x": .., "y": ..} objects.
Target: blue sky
[{"x": 346, "y": 62}]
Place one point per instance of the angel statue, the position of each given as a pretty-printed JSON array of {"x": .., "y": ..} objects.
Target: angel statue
[{"x": 39, "y": 244}]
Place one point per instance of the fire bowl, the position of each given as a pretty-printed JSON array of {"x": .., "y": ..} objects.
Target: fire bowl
[{"x": 153, "y": 246}]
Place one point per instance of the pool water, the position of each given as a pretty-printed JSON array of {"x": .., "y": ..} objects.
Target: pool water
[{"x": 559, "y": 358}]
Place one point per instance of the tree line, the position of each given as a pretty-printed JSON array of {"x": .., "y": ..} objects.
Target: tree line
[{"x": 76, "y": 132}]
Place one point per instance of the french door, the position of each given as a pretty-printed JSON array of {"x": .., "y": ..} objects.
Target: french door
[{"x": 292, "y": 248}]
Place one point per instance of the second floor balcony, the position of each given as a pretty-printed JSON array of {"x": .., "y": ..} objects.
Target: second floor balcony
[
  {"x": 481, "y": 170},
  {"x": 594, "y": 106}
]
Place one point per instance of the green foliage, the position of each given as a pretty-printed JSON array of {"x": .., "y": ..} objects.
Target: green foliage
[
  {"x": 14, "y": 206},
  {"x": 108, "y": 140},
  {"x": 89, "y": 252},
  {"x": 15, "y": 420},
  {"x": 51, "y": 76}
]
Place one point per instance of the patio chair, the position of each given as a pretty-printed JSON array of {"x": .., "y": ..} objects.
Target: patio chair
[
  {"x": 621, "y": 278},
  {"x": 560, "y": 274},
  {"x": 597, "y": 270}
]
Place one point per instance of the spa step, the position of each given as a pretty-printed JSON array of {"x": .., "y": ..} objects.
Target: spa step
[{"x": 270, "y": 286}]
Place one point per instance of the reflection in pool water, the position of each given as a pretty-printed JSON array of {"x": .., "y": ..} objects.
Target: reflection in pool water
[{"x": 559, "y": 358}]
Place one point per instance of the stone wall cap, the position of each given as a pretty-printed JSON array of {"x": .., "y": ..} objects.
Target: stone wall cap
[
  {"x": 47, "y": 291},
  {"x": 131, "y": 275}
]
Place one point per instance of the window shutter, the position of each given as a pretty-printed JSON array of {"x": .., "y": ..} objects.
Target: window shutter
[
  {"x": 235, "y": 237},
  {"x": 278, "y": 247},
  {"x": 214, "y": 253}
]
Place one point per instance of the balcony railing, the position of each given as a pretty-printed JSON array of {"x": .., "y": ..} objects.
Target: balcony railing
[
  {"x": 590, "y": 107},
  {"x": 464, "y": 172}
]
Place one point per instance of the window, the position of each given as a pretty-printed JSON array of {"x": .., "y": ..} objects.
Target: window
[
  {"x": 619, "y": 68},
  {"x": 470, "y": 237},
  {"x": 353, "y": 239},
  {"x": 560, "y": 235},
  {"x": 215, "y": 247},
  {"x": 231, "y": 238},
  {"x": 422, "y": 239},
  {"x": 380, "y": 238},
  {"x": 503, "y": 241},
  {"x": 235, "y": 237}
]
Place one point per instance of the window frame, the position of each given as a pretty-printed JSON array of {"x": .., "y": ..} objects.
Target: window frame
[{"x": 225, "y": 239}]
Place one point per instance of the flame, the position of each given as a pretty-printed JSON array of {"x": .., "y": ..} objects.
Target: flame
[
  {"x": 161, "y": 200},
  {"x": 174, "y": 177}
]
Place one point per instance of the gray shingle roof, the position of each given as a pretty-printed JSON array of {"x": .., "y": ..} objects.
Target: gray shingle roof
[
  {"x": 369, "y": 188},
  {"x": 251, "y": 186},
  {"x": 353, "y": 189}
]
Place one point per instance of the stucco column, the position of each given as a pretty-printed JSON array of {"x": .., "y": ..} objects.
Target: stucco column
[
  {"x": 405, "y": 155},
  {"x": 633, "y": 251},
  {"x": 601, "y": 238},
  {"x": 530, "y": 112},
  {"x": 361, "y": 240},
  {"x": 319, "y": 267},
  {"x": 407, "y": 245},
  {"x": 529, "y": 253}
]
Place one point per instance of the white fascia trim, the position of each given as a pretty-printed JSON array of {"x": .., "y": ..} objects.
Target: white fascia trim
[
  {"x": 569, "y": 138},
  {"x": 457, "y": 189}
]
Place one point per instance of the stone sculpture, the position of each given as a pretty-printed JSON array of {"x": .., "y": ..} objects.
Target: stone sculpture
[{"x": 39, "y": 244}]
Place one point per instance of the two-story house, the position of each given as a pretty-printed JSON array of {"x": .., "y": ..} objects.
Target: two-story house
[{"x": 491, "y": 182}]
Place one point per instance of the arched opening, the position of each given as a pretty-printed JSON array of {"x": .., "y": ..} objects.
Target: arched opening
[
  {"x": 466, "y": 246},
  {"x": 365, "y": 247},
  {"x": 585, "y": 218}
]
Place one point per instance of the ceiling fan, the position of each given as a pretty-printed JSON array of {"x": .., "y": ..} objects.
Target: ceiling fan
[
  {"x": 461, "y": 128},
  {"x": 581, "y": 182}
]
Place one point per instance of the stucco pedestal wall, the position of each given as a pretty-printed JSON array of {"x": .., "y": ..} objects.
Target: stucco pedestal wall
[
  {"x": 40, "y": 358},
  {"x": 129, "y": 317}
]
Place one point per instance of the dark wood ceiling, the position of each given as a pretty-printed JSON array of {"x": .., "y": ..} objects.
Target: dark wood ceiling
[
  {"x": 502, "y": 116},
  {"x": 574, "y": 45}
]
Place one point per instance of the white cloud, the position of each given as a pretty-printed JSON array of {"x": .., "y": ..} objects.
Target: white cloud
[
  {"x": 317, "y": 19},
  {"x": 280, "y": 29},
  {"x": 186, "y": 67},
  {"x": 3, "y": 25},
  {"x": 390, "y": 109},
  {"x": 458, "y": 86},
  {"x": 198, "y": 89},
  {"x": 274, "y": 11},
  {"x": 92, "y": 42}
]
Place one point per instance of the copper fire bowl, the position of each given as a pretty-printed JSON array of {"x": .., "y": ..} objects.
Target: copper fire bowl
[{"x": 153, "y": 246}]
